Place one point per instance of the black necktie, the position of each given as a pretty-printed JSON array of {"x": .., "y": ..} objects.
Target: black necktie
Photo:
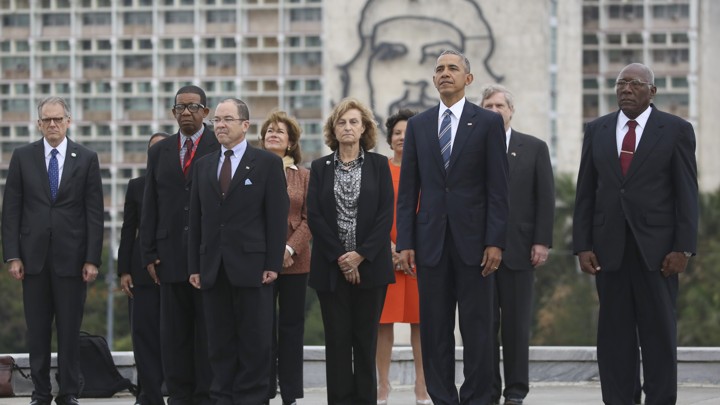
[{"x": 226, "y": 173}]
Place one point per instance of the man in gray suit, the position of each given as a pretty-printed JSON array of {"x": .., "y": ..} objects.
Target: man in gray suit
[
  {"x": 52, "y": 233},
  {"x": 531, "y": 197}
]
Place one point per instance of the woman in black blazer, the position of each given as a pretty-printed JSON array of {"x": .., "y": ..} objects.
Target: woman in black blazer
[{"x": 350, "y": 213}]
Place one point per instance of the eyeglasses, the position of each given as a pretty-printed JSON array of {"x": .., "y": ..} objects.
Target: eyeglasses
[
  {"x": 226, "y": 120},
  {"x": 192, "y": 107},
  {"x": 634, "y": 83},
  {"x": 56, "y": 120}
]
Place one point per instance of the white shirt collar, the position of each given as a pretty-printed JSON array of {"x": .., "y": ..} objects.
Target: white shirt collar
[
  {"x": 641, "y": 119},
  {"x": 238, "y": 150},
  {"x": 456, "y": 109},
  {"x": 62, "y": 148}
]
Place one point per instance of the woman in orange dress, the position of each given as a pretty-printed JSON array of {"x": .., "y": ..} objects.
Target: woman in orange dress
[{"x": 401, "y": 301}]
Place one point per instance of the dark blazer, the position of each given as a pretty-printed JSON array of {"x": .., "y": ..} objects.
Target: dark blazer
[
  {"x": 531, "y": 194},
  {"x": 74, "y": 220},
  {"x": 129, "y": 261},
  {"x": 166, "y": 206},
  {"x": 471, "y": 197},
  {"x": 246, "y": 231},
  {"x": 374, "y": 221},
  {"x": 658, "y": 197}
]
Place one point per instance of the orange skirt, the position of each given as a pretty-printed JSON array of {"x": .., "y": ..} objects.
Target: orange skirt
[{"x": 402, "y": 304}]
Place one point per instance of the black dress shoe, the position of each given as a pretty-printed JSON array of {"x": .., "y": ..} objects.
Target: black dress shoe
[
  {"x": 67, "y": 400},
  {"x": 39, "y": 402},
  {"x": 513, "y": 401}
]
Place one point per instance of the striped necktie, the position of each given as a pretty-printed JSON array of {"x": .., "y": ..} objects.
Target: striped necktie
[{"x": 444, "y": 137}]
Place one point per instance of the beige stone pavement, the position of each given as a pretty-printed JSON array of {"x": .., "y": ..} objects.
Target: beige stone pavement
[{"x": 540, "y": 394}]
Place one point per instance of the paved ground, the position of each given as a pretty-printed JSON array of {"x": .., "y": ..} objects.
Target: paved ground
[{"x": 540, "y": 394}]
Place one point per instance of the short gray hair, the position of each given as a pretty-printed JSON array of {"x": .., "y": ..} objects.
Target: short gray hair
[
  {"x": 53, "y": 100},
  {"x": 489, "y": 90},
  {"x": 464, "y": 58},
  {"x": 242, "y": 107}
]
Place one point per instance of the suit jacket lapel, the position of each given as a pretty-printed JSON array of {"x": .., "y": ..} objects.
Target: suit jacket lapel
[
  {"x": 173, "y": 154},
  {"x": 465, "y": 127},
  {"x": 39, "y": 157},
  {"x": 433, "y": 142},
  {"x": 246, "y": 165},
  {"x": 205, "y": 145},
  {"x": 212, "y": 173},
  {"x": 650, "y": 137},
  {"x": 608, "y": 144},
  {"x": 71, "y": 156},
  {"x": 514, "y": 151}
]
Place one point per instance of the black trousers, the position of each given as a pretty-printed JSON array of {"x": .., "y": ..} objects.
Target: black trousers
[
  {"x": 48, "y": 297},
  {"x": 636, "y": 303},
  {"x": 239, "y": 326},
  {"x": 145, "y": 325},
  {"x": 513, "y": 312},
  {"x": 184, "y": 344},
  {"x": 288, "y": 335},
  {"x": 441, "y": 288},
  {"x": 351, "y": 316}
]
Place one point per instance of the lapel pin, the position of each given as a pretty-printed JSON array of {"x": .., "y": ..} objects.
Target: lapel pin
[
  {"x": 327, "y": 163},
  {"x": 247, "y": 167},
  {"x": 73, "y": 154},
  {"x": 469, "y": 124},
  {"x": 513, "y": 153}
]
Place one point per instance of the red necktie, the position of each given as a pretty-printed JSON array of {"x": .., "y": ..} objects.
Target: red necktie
[
  {"x": 628, "y": 147},
  {"x": 188, "y": 155},
  {"x": 226, "y": 173}
]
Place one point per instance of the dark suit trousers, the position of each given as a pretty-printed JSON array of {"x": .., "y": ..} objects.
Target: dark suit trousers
[
  {"x": 288, "y": 335},
  {"x": 635, "y": 302},
  {"x": 513, "y": 310},
  {"x": 184, "y": 344},
  {"x": 145, "y": 324},
  {"x": 351, "y": 316},
  {"x": 47, "y": 296},
  {"x": 239, "y": 323},
  {"x": 440, "y": 288}
]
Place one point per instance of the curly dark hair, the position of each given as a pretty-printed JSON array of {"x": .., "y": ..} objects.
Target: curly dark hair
[{"x": 403, "y": 115}]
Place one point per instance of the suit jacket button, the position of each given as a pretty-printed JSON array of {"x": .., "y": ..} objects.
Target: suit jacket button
[
  {"x": 186, "y": 228},
  {"x": 447, "y": 189},
  {"x": 186, "y": 208},
  {"x": 622, "y": 191}
]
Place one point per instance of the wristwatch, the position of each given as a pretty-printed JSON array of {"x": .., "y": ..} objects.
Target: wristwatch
[{"x": 688, "y": 254}]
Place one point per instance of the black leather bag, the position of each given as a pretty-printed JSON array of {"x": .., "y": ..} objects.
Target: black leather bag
[{"x": 7, "y": 366}]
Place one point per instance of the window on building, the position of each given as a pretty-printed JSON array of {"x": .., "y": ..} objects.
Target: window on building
[
  {"x": 104, "y": 45},
  {"x": 305, "y": 14},
  {"x": 5, "y": 46},
  {"x": 313, "y": 85},
  {"x": 680, "y": 38},
  {"x": 96, "y": 62},
  {"x": 634, "y": 38},
  {"x": 144, "y": 87},
  {"x": 227, "y": 86},
  {"x": 16, "y": 20},
  {"x": 228, "y": 43},
  {"x": 313, "y": 40},
  {"x": 306, "y": 58},
  {"x": 138, "y": 18},
  {"x": 62, "y": 45},
  {"x": 590, "y": 14},
  {"x": 210, "y": 43},
  {"x": 126, "y": 88},
  {"x": 85, "y": 88},
  {"x": 145, "y": 44},
  {"x": 221, "y": 61},
  {"x": 62, "y": 88},
  {"x": 22, "y": 46},
  {"x": 4, "y": 89},
  {"x": 220, "y": 16},
  {"x": 659, "y": 38},
  {"x": 22, "y": 88},
  {"x": 97, "y": 19},
  {"x": 614, "y": 39},
  {"x": 56, "y": 20},
  {"x": 294, "y": 42},
  {"x": 168, "y": 43},
  {"x": 186, "y": 43},
  {"x": 179, "y": 17},
  {"x": 137, "y": 61},
  {"x": 56, "y": 63}
]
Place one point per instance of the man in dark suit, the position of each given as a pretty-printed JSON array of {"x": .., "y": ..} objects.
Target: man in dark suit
[
  {"x": 238, "y": 225},
  {"x": 529, "y": 236},
  {"x": 635, "y": 227},
  {"x": 163, "y": 240},
  {"x": 451, "y": 219},
  {"x": 52, "y": 233},
  {"x": 143, "y": 294}
]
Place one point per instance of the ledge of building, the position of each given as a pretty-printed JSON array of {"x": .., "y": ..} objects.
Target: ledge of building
[{"x": 553, "y": 364}]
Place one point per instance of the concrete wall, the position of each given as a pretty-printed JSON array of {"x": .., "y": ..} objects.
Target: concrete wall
[{"x": 696, "y": 365}]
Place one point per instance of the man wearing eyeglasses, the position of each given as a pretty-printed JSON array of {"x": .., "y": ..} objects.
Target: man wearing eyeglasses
[
  {"x": 238, "y": 227},
  {"x": 52, "y": 234},
  {"x": 164, "y": 244},
  {"x": 635, "y": 227}
]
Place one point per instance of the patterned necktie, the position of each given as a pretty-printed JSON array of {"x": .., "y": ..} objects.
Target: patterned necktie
[
  {"x": 188, "y": 155},
  {"x": 53, "y": 174},
  {"x": 628, "y": 147},
  {"x": 444, "y": 137},
  {"x": 226, "y": 173}
]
